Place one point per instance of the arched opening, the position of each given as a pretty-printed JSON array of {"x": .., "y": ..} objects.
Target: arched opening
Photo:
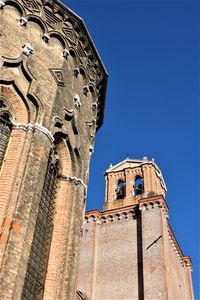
[
  {"x": 138, "y": 186},
  {"x": 5, "y": 131},
  {"x": 120, "y": 189}
]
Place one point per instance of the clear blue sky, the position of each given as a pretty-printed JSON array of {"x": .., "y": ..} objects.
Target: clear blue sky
[{"x": 150, "y": 49}]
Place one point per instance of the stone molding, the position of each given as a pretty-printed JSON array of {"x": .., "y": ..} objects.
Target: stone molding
[
  {"x": 152, "y": 203},
  {"x": 25, "y": 127},
  {"x": 110, "y": 216},
  {"x": 184, "y": 260},
  {"x": 74, "y": 180}
]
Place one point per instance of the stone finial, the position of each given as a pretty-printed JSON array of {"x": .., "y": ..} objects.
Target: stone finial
[
  {"x": 27, "y": 49},
  {"x": 77, "y": 101},
  {"x": 23, "y": 21},
  {"x": 2, "y": 4},
  {"x": 145, "y": 158},
  {"x": 65, "y": 53},
  {"x": 46, "y": 38}
]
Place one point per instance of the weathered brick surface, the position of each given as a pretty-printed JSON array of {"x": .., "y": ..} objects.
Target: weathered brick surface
[
  {"x": 128, "y": 251},
  {"x": 55, "y": 96}
]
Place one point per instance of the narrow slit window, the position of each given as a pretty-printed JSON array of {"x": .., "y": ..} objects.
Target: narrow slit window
[{"x": 5, "y": 131}]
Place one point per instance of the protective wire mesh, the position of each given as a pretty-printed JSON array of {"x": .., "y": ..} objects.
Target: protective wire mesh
[{"x": 37, "y": 265}]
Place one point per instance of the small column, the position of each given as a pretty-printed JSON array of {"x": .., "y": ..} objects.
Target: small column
[{"x": 129, "y": 185}]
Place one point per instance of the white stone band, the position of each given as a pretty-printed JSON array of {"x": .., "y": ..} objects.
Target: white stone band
[
  {"x": 24, "y": 126},
  {"x": 74, "y": 180}
]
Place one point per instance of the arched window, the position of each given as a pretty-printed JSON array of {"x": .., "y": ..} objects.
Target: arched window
[
  {"x": 5, "y": 129},
  {"x": 138, "y": 186},
  {"x": 120, "y": 189}
]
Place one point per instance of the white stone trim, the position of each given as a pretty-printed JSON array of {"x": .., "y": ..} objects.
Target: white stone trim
[
  {"x": 27, "y": 49},
  {"x": 23, "y": 21},
  {"x": 74, "y": 180},
  {"x": 66, "y": 53},
  {"x": 2, "y": 4},
  {"x": 25, "y": 127}
]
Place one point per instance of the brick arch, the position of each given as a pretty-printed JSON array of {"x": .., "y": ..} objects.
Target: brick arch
[
  {"x": 84, "y": 75},
  {"x": 59, "y": 38},
  {"x": 38, "y": 21},
  {"x": 16, "y": 5},
  {"x": 73, "y": 58},
  {"x": 17, "y": 103},
  {"x": 20, "y": 114},
  {"x": 66, "y": 159},
  {"x": 63, "y": 209}
]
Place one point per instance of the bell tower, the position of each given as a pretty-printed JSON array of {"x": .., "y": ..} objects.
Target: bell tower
[
  {"x": 132, "y": 180},
  {"x": 128, "y": 250}
]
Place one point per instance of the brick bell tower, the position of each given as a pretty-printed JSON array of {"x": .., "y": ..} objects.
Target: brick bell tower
[
  {"x": 129, "y": 251},
  {"x": 52, "y": 94}
]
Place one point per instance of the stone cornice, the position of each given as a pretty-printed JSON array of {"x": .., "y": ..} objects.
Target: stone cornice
[
  {"x": 124, "y": 213},
  {"x": 184, "y": 260},
  {"x": 151, "y": 202}
]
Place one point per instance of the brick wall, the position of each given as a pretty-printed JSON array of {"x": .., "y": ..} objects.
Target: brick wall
[{"x": 54, "y": 83}]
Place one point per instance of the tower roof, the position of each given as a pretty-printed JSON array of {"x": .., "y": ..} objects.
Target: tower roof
[{"x": 133, "y": 163}]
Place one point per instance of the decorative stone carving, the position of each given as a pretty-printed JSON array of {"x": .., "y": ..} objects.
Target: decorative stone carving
[
  {"x": 76, "y": 72},
  {"x": 2, "y": 104},
  {"x": 31, "y": 5},
  {"x": 104, "y": 218},
  {"x": 70, "y": 31},
  {"x": 23, "y": 21},
  {"x": 66, "y": 53},
  {"x": 2, "y": 4},
  {"x": 58, "y": 76},
  {"x": 94, "y": 106},
  {"x": 68, "y": 114},
  {"x": 70, "y": 35},
  {"x": 46, "y": 38},
  {"x": 86, "y": 90},
  {"x": 77, "y": 101},
  {"x": 51, "y": 19},
  {"x": 80, "y": 50},
  {"x": 27, "y": 49}
]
